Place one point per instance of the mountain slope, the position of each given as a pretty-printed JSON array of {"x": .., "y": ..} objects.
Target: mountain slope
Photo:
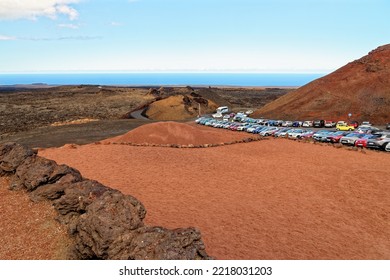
[{"x": 361, "y": 87}]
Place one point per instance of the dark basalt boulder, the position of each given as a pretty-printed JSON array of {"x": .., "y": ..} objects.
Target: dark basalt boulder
[
  {"x": 107, "y": 219},
  {"x": 36, "y": 171},
  {"x": 156, "y": 243},
  {"x": 12, "y": 155},
  {"x": 77, "y": 196}
]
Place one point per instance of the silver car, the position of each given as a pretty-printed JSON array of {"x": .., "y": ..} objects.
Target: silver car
[
  {"x": 380, "y": 141},
  {"x": 351, "y": 138}
]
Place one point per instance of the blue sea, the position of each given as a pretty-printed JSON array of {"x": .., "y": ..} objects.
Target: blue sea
[{"x": 161, "y": 79}]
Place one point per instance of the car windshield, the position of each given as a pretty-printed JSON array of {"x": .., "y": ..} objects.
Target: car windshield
[{"x": 338, "y": 133}]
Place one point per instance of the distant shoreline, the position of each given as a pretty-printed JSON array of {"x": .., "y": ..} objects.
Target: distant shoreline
[
  {"x": 153, "y": 80},
  {"x": 39, "y": 86}
]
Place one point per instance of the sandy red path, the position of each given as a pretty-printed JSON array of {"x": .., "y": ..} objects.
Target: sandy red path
[{"x": 273, "y": 199}]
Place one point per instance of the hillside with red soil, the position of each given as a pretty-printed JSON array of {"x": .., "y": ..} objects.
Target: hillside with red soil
[
  {"x": 361, "y": 87},
  {"x": 272, "y": 199},
  {"x": 161, "y": 133}
]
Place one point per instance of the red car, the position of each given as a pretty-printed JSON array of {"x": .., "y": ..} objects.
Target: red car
[
  {"x": 336, "y": 136},
  {"x": 355, "y": 124},
  {"x": 362, "y": 142}
]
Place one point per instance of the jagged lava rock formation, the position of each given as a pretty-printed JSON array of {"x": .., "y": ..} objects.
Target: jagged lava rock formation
[
  {"x": 105, "y": 223},
  {"x": 361, "y": 87}
]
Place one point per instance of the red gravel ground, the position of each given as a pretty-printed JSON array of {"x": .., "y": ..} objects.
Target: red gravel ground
[
  {"x": 273, "y": 199},
  {"x": 28, "y": 230}
]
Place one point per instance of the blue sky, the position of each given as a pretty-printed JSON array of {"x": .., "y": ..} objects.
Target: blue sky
[{"x": 189, "y": 35}]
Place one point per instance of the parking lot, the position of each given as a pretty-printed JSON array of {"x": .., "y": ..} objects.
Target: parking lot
[{"x": 351, "y": 133}]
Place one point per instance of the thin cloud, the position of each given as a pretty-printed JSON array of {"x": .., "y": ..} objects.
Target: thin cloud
[
  {"x": 114, "y": 23},
  {"x": 69, "y": 25},
  {"x": 63, "y": 38},
  {"x": 7, "y": 38},
  {"x": 11, "y": 9}
]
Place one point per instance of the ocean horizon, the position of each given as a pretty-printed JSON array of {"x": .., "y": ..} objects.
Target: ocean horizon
[{"x": 162, "y": 79}]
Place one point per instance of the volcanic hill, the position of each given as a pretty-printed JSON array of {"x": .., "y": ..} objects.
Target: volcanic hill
[{"x": 361, "y": 87}]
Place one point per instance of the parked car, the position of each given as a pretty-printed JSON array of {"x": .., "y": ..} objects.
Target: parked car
[
  {"x": 253, "y": 128},
  {"x": 287, "y": 123},
  {"x": 323, "y": 137},
  {"x": 336, "y": 136},
  {"x": 217, "y": 115},
  {"x": 319, "y": 134},
  {"x": 341, "y": 123},
  {"x": 296, "y": 133},
  {"x": 380, "y": 141},
  {"x": 388, "y": 126},
  {"x": 307, "y": 124},
  {"x": 366, "y": 123},
  {"x": 260, "y": 129},
  {"x": 350, "y": 138},
  {"x": 278, "y": 123},
  {"x": 269, "y": 131},
  {"x": 328, "y": 123},
  {"x": 242, "y": 126},
  {"x": 345, "y": 127},
  {"x": 355, "y": 124},
  {"x": 367, "y": 129},
  {"x": 308, "y": 134},
  {"x": 282, "y": 132},
  {"x": 362, "y": 142},
  {"x": 297, "y": 123},
  {"x": 198, "y": 120},
  {"x": 319, "y": 123}
]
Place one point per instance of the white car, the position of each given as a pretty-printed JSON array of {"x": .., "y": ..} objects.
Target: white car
[
  {"x": 253, "y": 128},
  {"x": 307, "y": 124},
  {"x": 296, "y": 133},
  {"x": 287, "y": 123},
  {"x": 242, "y": 127},
  {"x": 341, "y": 123},
  {"x": 365, "y": 124},
  {"x": 269, "y": 131}
]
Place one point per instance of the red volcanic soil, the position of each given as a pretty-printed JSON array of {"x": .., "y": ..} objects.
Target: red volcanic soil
[
  {"x": 272, "y": 199},
  {"x": 361, "y": 88},
  {"x": 177, "y": 133},
  {"x": 28, "y": 230}
]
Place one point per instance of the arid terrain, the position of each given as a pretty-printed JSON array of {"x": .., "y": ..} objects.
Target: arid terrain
[
  {"x": 269, "y": 199},
  {"x": 272, "y": 199},
  {"x": 44, "y": 116}
]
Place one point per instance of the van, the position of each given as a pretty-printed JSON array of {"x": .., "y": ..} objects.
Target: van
[{"x": 223, "y": 109}]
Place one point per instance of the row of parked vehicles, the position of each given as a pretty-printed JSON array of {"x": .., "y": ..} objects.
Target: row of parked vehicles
[{"x": 362, "y": 136}]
